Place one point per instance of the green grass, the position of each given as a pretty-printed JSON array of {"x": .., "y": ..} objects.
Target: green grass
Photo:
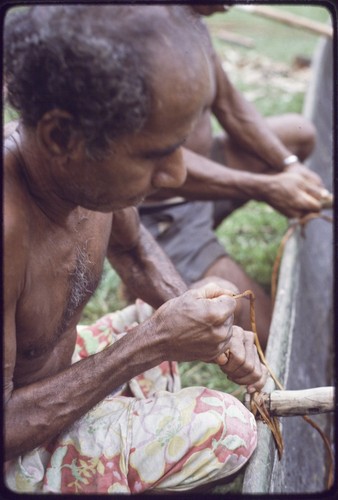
[
  {"x": 252, "y": 235},
  {"x": 272, "y": 39},
  {"x": 208, "y": 375},
  {"x": 9, "y": 114}
]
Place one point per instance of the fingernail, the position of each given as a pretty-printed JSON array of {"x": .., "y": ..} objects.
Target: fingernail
[{"x": 222, "y": 359}]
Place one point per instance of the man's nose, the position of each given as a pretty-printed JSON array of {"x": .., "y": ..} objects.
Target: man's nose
[{"x": 171, "y": 172}]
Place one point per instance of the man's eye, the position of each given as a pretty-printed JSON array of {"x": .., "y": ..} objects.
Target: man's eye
[{"x": 162, "y": 153}]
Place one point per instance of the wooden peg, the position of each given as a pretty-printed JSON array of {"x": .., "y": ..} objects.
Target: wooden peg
[{"x": 302, "y": 402}]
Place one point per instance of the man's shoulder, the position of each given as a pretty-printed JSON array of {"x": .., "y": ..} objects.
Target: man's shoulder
[
  {"x": 16, "y": 209},
  {"x": 16, "y": 223},
  {"x": 17, "y": 237}
]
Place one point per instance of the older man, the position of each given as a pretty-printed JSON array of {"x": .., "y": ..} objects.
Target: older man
[{"x": 104, "y": 96}]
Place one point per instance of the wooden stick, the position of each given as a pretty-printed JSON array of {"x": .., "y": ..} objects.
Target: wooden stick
[
  {"x": 233, "y": 38},
  {"x": 290, "y": 19},
  {"x": 291, "y": 403}
]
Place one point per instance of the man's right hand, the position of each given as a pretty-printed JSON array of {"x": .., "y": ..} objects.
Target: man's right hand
[{"x": 198, "y": 325}]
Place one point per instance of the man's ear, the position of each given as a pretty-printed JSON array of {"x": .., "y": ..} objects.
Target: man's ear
[{"x": 56, "y": 133}]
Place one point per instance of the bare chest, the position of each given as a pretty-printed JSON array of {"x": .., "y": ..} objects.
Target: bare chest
[{"x": 63, "y": 271}]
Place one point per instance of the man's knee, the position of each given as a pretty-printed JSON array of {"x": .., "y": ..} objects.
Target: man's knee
[
  {"x": 296, "y": 132},
  {"x": 214, "y": 436},
  {"x": 306, "y": 134},
  {"x": 309, "y": 141},
  {"x": 223, "y": 283},
  {"x": 234, "y": 441}
]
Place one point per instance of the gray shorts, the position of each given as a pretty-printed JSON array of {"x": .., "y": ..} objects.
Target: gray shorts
[{"x": 185, "y": 233}]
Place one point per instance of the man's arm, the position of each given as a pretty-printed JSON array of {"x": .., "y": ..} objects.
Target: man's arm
[
  {"x": 244, "y": 124},
  {"x": 39, "y": 411},
  {"x": 36, "y": 412},
  {"x": 140, "y": 262},
  {"x": 194, "y": 326},
  {"x": 293, "y": 191},
  {"x": 290, "y": 193}
]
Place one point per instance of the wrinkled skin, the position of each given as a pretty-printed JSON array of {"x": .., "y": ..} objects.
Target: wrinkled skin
[{"x": 64, "y": 213}]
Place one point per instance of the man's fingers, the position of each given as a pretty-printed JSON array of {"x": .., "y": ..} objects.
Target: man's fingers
[
  {"x": 258, "y": 386},
  {"x": 316, "y": 192},
  {"x": 237, "y": 355},
  {"x": 305, "y": 172},
  {"x": 324, "y": 193},
  {"x": 211, "y": 291},
  {"x": 310, "y": 202},
  {"x": 219, "y": 307},
  {"x": 240, "y": 361},
  {"x": 223, "y": 358},
  {"x": 253, "y": 372},
  {"x": 247, "y": 369}
]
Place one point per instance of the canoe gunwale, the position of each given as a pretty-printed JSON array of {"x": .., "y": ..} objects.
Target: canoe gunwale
[{"x": 265, "y": 458}]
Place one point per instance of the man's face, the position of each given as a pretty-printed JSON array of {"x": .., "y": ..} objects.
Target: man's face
[{"x": 140, "y": 163}]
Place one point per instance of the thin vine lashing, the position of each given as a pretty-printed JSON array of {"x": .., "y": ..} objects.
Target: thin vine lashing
[
  {"x": 299, "y": 222},
  {"x": 257, "y": 399},
  {"x": 257, "y": 402}
]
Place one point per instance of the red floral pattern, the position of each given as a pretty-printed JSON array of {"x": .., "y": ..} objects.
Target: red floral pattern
[{"x": 148, "y": 434}]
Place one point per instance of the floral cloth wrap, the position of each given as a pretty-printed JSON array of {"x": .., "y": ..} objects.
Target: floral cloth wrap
[{"x": 148, "y": 434}]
